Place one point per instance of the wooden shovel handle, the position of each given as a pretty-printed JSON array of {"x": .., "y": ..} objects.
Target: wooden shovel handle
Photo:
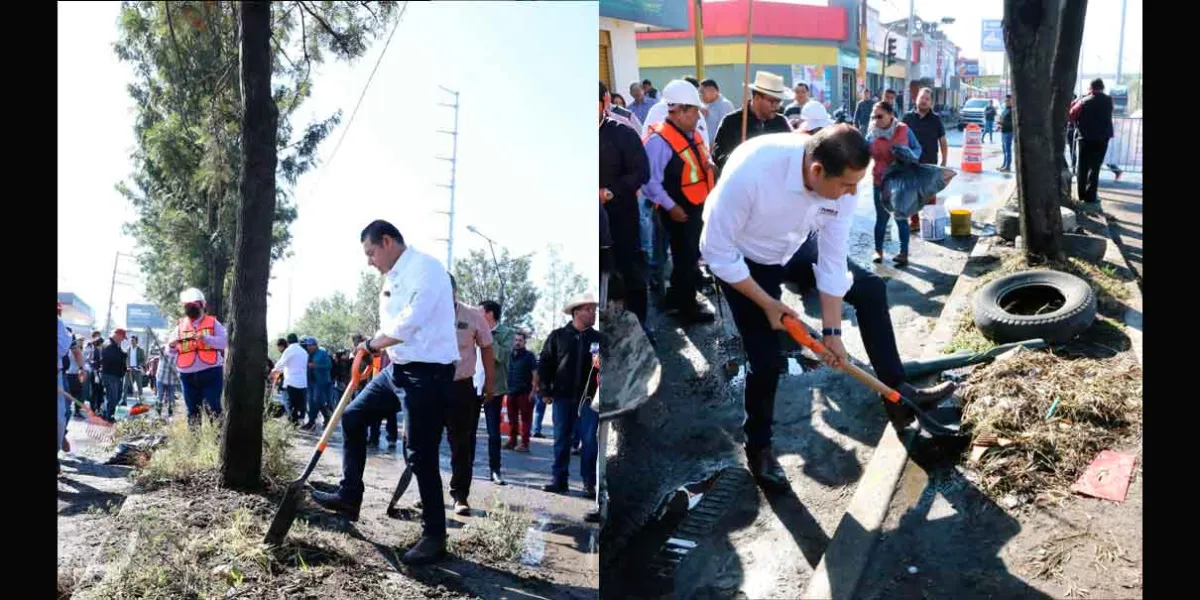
[{"x": 798, "y": 332}]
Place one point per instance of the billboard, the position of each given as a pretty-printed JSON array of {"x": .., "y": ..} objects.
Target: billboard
[
  {"x": 668, "y": 14},
  {"x": 968, "y": 67},
  {"x": 992, "y": 39},
  {"x": 142, "y": 316}
]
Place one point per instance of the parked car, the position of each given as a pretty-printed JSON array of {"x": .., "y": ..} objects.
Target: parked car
[{"x": 972, "y": 112}]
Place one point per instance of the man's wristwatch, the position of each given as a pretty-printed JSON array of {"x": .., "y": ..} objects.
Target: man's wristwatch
[{"x": 831, "y": 332}]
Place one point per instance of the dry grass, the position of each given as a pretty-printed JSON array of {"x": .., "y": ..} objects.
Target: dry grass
[
  {"x": 193, "y": 451},
  {"x": 497, "y": 539},
  {"x": 1099, "y": 406}
]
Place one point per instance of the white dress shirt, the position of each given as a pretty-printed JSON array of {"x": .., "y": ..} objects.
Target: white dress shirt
[
  {"x": 294, "y": 365},
  {"x": 761, "y": 211},
  {"x": 658, "y": 114},
  {"x": 416, "y": 306}
]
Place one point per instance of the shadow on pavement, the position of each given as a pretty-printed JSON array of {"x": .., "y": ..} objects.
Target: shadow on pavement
[
  {"x": 947, "y": 545},
  {"x": 85, "y": 498}
]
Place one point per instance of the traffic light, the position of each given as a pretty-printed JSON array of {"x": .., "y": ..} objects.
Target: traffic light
[{"x": 891, "y": 50}]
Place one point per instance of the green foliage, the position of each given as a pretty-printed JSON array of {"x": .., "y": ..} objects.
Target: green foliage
[
  {"x": 186, "y": 181},
  {"x": 477, "y": 281},
  {"x": 335, "y": 319},
  {"x": 563, "y": 282}
]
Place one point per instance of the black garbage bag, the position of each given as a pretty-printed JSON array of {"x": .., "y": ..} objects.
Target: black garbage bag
[{"x": 907, "y": 183}]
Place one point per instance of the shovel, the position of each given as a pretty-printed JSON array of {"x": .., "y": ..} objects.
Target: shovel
[
  {"x": 402, "y": 485},
  {"x": 286, "y": 513},
  {"x": 800, "y": 334}
]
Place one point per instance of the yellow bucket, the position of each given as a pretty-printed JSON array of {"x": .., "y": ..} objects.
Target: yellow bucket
[{"x": 960, "y": 222}]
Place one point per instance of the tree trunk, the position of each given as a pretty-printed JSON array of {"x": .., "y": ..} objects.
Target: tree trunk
[
  {"x": 241, "y": 444},
  {"x": 1065, "y": 71},
  {"x": 1030, "y": 35}
]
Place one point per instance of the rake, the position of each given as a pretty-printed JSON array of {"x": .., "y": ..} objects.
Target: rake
[{"x": 97, "y": 427}]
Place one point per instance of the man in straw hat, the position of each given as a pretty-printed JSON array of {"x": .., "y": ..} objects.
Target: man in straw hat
[
  {"x": 776, "y": 191},
  {"x": 681, "y": 176},
  {"x": 766, "y": 94},
  {"x": 567, "y": 383}
]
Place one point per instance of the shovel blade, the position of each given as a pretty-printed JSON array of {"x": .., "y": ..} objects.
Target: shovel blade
[
  {"x": 285, "y": 515},
  {"x": 401, "y": 487},
  {"x": 928, "y": 423},
  {"x": 630, "y": 371}
]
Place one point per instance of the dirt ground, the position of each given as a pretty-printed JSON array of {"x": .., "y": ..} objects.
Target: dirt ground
[
  {"x": 944, "y": 538},
  {"x": 102, "y": 519}
]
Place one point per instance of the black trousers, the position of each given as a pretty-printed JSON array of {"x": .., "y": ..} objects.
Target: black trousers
[
  {"x": 685, "y": 256},
  {"x": 1091, "y": 159},
  {"x": 868, "y": 296},
  {"x": 629, "y": 262},
  {"x": 297, "y": 400},
  {"x": 462, "y": 422}
]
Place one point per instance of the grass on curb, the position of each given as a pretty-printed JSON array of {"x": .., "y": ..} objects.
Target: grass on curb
[
  {"x": 498, "y": 538},
  {"x": 1055, "y": 416},
  {"x": 192, "y": 451}
]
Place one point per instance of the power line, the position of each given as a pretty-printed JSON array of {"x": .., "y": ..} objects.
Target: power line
[{"x": 362, "y": 95}]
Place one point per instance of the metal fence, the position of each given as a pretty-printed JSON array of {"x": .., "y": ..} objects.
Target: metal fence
[{"x": 1125, "y": 148}]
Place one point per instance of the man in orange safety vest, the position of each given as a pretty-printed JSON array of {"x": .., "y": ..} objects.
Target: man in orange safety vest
[{"x": 198, "y": 343}]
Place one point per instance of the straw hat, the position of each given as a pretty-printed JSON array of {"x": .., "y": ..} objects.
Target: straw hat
[
  {"x": 770, "y": 84},
  {"x": 580, "y": 300}
]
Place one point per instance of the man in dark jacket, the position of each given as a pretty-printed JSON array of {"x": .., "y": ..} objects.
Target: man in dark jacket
[
  {"x": 766, "y": 94},
  {"x": 1093, "y": 118},
  {"x": 522, "y": 374},
  {"x": 1006, "y": 133},
  {"x": 113, "y": 367},
  {"x": 567, "y": 382},
  {"x": 862, "y": 112},
  {"x": 624, "y": 169}
]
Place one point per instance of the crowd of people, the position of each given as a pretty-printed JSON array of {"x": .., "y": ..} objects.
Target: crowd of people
[{"x": 759, "y": 207}]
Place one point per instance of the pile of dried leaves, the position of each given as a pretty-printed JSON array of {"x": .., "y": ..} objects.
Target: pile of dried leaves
[{"x": 1043, "y": 419}]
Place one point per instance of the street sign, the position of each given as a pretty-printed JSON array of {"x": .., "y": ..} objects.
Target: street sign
[
  {"x": 968, "y": 67},
  {"x": 993, "y": 36},
  {"x": 141, "y": 316}
]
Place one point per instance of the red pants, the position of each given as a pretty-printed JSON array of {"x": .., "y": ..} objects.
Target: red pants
[{"x": 520, "y": 410}]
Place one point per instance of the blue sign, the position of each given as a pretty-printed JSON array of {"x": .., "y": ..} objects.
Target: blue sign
[
  {"x": 992, "y": 39},
  {"x": 668, "y": 14},
  {"x": 142, "y": 316},
  {"x": 968, "y": 67}
]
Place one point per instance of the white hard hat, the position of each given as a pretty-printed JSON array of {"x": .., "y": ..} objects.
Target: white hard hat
[
  {"x": 814, "y": 116},
  {"x": 681, "y": 92},
  {"x": 191, "y": 295}
]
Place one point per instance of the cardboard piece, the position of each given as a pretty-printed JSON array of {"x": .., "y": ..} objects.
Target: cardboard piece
[{"x": 1107, "y": 477}]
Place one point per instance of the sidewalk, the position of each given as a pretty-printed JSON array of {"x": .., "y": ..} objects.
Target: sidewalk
[{"x": 1122, "y": 204}]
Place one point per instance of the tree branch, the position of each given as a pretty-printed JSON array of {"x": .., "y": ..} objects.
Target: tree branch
[
  {"x": 178, "y": 53},
  {"x": 367, "y": 5},
  {"x": 325, "y": 25}
]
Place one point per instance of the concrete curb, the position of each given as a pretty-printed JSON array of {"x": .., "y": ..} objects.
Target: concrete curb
[{"x": 837, "y": 575}]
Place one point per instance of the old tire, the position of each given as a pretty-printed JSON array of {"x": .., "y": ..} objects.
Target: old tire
[{"x": 1077, "y": 312}]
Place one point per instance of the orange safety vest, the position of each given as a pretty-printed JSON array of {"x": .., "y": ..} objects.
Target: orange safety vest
[
  {"x": 696, "y": 180},
  {"x": 191, "y": 342}
]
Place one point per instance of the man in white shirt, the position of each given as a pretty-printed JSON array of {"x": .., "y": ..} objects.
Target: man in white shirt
[
  {"x": 416, "y": 317},
  {"x": 775, "y": 191},
  {"x": 293, "y": 364}
]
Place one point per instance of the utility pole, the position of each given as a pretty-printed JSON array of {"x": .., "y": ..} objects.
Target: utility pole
[
  {"x": 453, "y": 160},
  {"x": 862, "y": 48},
  {"x": 698, "y": 37},
  {"x": 1121, "y": 45},
  {"x": 909, "y": 97},
  {"x": 112, "y": 287}
]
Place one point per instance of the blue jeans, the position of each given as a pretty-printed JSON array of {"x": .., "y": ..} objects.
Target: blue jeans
[
  {"x": 1006, "y": 141},
  {"x": 62, "y": 416},
  {"x": 319, "y": 397},
  {"x": 426, "y": 402},
  {"x": 882, "y": 216},
  {"x": 539, "y": 413},
  {"x": 202, "y": 388},
  {"x": 491, "y": 414},
  {"x": 166, "y": 398},
  {"x": 112, "y": 393},
  {"x": 988, "y": 130},
  {"x": 568, "y": 419}
]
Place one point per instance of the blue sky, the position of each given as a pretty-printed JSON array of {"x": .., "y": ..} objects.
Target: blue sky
[{"x": 526, "y": 156}]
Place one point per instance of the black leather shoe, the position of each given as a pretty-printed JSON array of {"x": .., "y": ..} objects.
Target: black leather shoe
[
  {"x": 590, "y": 492},
  {"x": 929, "y": 397},
  {"x": 427, "y": 550},
  {"x": 497, "y": 479},
  {"x": 333, "y": 501},
  {"x": 767, "y": 470},
  {"x": 555, "y": 488}
]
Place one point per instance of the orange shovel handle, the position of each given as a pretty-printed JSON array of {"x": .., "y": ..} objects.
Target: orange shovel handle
[{"x": 799, "y": 333}]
